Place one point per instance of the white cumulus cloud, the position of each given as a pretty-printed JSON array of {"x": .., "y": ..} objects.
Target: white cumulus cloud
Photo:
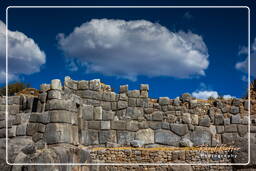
[
  {"x": 205, "y": 94},
  {"x": 128, "y": 49},
  {"x": 243, "y": 65},
  {"x": 24, "y": 55}
]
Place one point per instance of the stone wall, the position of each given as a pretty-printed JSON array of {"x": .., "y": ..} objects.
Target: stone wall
[{"x": 65, "y": 123}]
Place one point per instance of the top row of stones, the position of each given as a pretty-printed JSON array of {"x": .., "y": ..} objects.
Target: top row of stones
[{"x": 94, "y": 84}]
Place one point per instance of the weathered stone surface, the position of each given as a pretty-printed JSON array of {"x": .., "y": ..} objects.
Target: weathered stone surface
[
  {"x": 242, "y": 130},
  {"x": 123, "y": 89},
  {"x": 61, "y": 116},
  {"x": 58, "y": 133},
  {"x": 134, "y": 112},
  {"x": 86, "y": 111},
  {"x": 234, "y": 110},
  {"x": 54, "y": 94},
  {"x": 164, "y": 100},
  {"x": 98, "y": 113},
  {"x": 219, "y": 119},
  {"x": 94, "y": 124},
  {"x": 205, "y": 121},
  {"x": 108, "y": 115},
  {"x": 186, "y": 97},
  {"x": 137, "y": 143},
  {"x": 122, "y": 104},
  {"x": 155, "y": 125},
  {"x": 109, "y": 96},
  {"x": 56, "y": 84},
  {"x": 229, "y": 138},
  {"x": 29, "y": 149},
  {"x": 185, "y": 142},
  {"x": 231, "y": 128},
  {"x": 200, "y": 136},
  {"x": 107, "y": 136},
  {"x": 105, "y": 124},
  {"x": 236, "y": 102},
  {"x": 132, "y": 125},
  {"x": 21, "y": 130},
  {"x": 194, "y": 119},
  {"x": 157, "y": 116},
  {"x": 220, "y": 129},
  {"x": 83, "y": 85},
  {"x": 166, "y": 138},
  {"x": 179, "y": 129},
  {"x": 144, "y": 87},
  {"x": 235, "y": 119},
  {"x": 145, "y": 135},
  {"x": 134, "y": 93},
  {"x": 132, "y": 102},
  {"x": 125, "y": 137},
  {"x": 90, "y": 137},
  {"x": 95, "y": 84},
  {"x": 118, "y": 125},
  {"x": 186, "y": 118}
]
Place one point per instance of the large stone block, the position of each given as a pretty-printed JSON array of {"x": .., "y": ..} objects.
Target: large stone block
[
  {"x": 86, "y": 112},
  {"x": 125, "y": 137},
  {"x": 118, "y": 125},
  {"x": 108, "y": 115},
  {"x": 109, "y": 96},
  {"x": 94, "y": 124},
  {"x": 179, "y": 129},
  {"x": 201, "y": 135},
  {"x": 132, "y": 102},
  {"x": 145, "y": 135},
  {"x": 194, "y": 119},
  {"x": 54, "y": 94},
  {"x": 157, "y": 116},
  {"x": 57, "y": 104},
  {"x": 186, "y": 118},
  {"x": 38, "y": 117},
  {"x": 167, "y": 138},
  {"x": 132, "y": 125},
  {"x": 234, "y": 110},
  {"x": 89, "y": 137},
  {"x": 144, "y": 87},
  {"x": 60, "y": 116},
  {"x": 205, "y": 121},
  {"x": 98, "y": 113},
  {"x": 32, "y": 128},
  {"x": 134, "y": 93},
  {"x": 58, "y": 133},
  {"x": 122, "y": 104},
  {"x": 21, "y": 130},
  {"x": 83, "y": 85},
  {"x": 219, "y": 119},
  {"x": 230, "y": 128},
  {"x": 56, "y": 84},
  {"x": 235, "y": 119},
  {"x": 95, "y": 84},
  {"x": 229, "y": 138},
  {"x": 164, "y": 100},
  {"x": 105, "y": 124},
  {"x": 134, "y": 112},
  {"x": 107, "y": 136}
]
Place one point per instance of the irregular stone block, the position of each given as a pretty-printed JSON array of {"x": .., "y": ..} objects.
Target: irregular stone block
[
  {"x": 118, "y": 125},
  {"x": 56, "y": 84},
  {"x": 98, "y": 113},
  {"x": 226, "y": 121},
  {"x": 234, "y": 110},
  {"x": 230, "y": 128},
  {"x": 148, "y": 110},
  {"x": 125, "y": 137},
  {"x": 86, "y": 112},
  {"x": 109, "y": 96},
  {"x": 164, "y": 100},
  {"x": 58, "y": 133},
  {"x": 155, "y": 125},
  {"x": 106, "y": 105},
  {"x": 60, "y": 116},
  {"x": 32, "y": 128},
  {"x": 186, "y": 97},
  {"x": 242, "y": 130},
  {"x": 134, "y": 112},
  {"x": 107, "y": 136},
  {"x": 229, "y": 138},
  {"x": 95, "y": 84},
  {"x": 165, "y": 125},
  {"x": 144, "y": 94},
  {"x": 185, "y": 142},
  {"x": 94, "y": 124},
  {"x": 123, "y": 89},
  {"x": 219, "y": 119},
  {"x": 235, "y": 119},
  {"x": 144, "y": 87},
  {"x": 37, "y": 136},
  {"x": 108, "y": 115},
  {"x": 122, "y": 104},
  {"x": 236, "y": 102},
  {"x": 194, "y": 119},
  {"x": 21, "y": 130},
  {"x": 105, "y": 124},
  {"x": 70, "y": 83},
  {"x": 220, "y": 129},
  {"x": 132, "y": 125},
  {"x": 167, "y": 138},
  {"x": 137, "y": 143},
  {"x": 134, "y": 93},
  {"x": 205, "y": 121},
  {"x": 157, "y": 116},
  {"x": 200, "y": 136},
  {"x": 54, "y": 94},
  {"x": 186, "y": 118},
  {"x": 179, "y": 129},
  {"x": 132, "y": 102},
  {"x": 45, "y": 87},
  {"x": 145, "y": 135},
  {"x": 90, "y": 137},
  {"x": 83, "y": 85}
]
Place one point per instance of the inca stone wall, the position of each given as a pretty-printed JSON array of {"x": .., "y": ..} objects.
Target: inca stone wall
[{"x": 66, "y": 122}]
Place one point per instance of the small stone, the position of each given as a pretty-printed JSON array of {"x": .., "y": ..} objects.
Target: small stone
[
  {"x": 186, "y": 118},
  {"x": 242, "y": 130},
  {"x": 137, "y": 143},
  {"x": 185, "y": 142},
  {"x": 220, "y": 129},
  {"x": 123, "y": 89},
  {"x": 179, "y": 129},
  {"x": 235, "y": 119},
  {"x": 234, "y": 109},
  {"x": 219, "y": 119},
  {"x": 29, "y": 149},
  {"x": 122, "y": 104},
  {"x": 205, "y": 121},
  {"x": 164, "y": 100},
  {"x": 230, "y": 128},
  {"x": 157, "y": 116},
  {"x": 194, "y": 119}
]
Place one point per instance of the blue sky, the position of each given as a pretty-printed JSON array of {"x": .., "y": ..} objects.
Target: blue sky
[{"x": 196, "y": 50}]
